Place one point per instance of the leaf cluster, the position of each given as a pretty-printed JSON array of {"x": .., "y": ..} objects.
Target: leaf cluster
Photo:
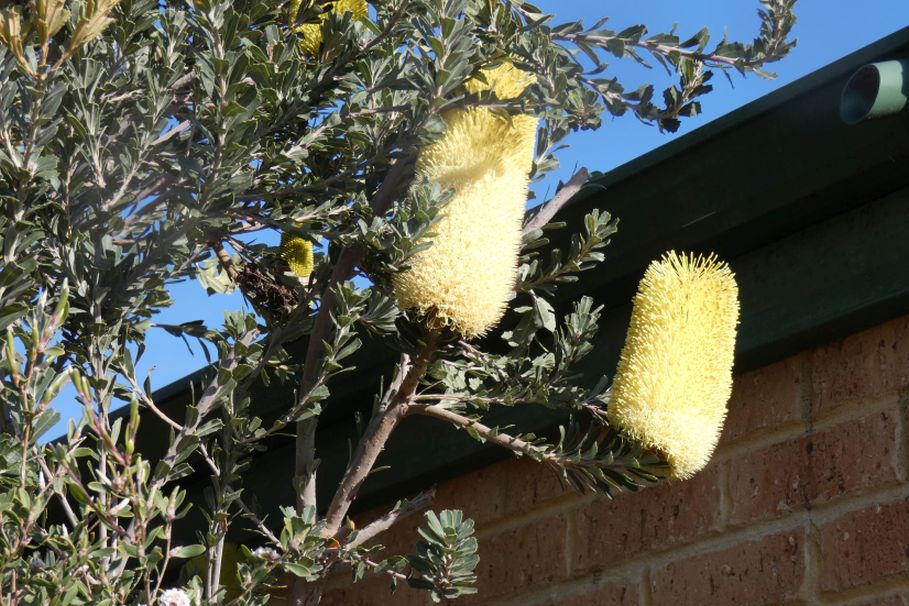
[{"x": 446, "y": 556}]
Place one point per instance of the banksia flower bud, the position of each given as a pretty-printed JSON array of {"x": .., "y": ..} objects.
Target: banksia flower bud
[
  {"x": 466, "y": 277},
  {"x": 312, "y": 32},
  {"x": 297, "y": 253},
  {"x": 675, "y": 373}
]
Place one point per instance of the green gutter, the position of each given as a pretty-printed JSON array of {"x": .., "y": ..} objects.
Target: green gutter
[{"x": 894, "y": 46}]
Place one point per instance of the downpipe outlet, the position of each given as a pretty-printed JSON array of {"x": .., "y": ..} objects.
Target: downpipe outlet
[{"x": 876, "y": 90}]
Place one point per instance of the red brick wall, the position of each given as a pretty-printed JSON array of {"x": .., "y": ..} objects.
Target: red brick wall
[{"x": 806, "y": 501}]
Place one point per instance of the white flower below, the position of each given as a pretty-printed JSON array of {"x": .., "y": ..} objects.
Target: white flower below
[
  {"x": 268, "y": 554},
  {"x": 174, "y": 597}
]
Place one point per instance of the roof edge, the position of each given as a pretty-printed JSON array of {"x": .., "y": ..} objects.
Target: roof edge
[{"x": 893, "y": 43}]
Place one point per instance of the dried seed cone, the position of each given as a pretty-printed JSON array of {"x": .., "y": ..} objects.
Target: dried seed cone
[
  {"x": 312, "y": 32},
  {"x": 466, "y": 277},
  {"x": 297, "y": 253},
  {"x": 675, "y": 373}
]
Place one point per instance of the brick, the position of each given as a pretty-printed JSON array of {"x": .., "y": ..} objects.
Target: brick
[
  {"x": 864, "y": 547},
  {"x": 846, "y": 459},
  {"x": 892, "y": 600},
  {"x": 763, "y": 399},
  {"x": 766, "y": 571},
  {"x": 607, "y": 532},
  {"x": 519, "y": 560},
  {"x": 600, "y": 594},
  {"x": 862, "y": 367},
  {"x": 375, "y": 591},
  {"x": 479, "y": 493},
  {"x": 529, "y": 485}
]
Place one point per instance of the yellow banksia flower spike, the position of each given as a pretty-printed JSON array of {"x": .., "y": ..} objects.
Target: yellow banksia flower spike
[
  {"x": 674, "y": 376},
  {"x": 466, "y": 277},
  {"x": 312, "y": 32},
  {"x": 297, "y": 253}
]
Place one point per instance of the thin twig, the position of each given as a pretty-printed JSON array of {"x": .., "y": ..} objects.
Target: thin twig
[
  {"x": 172, "y": 132},
  {"x": 400, "y": 576},
  {"x": 206, "y": 402},
  {"x": 407, "y": 509},
  {"x": 595, "y": 410},
  {"x": 512, "y": 443},
  {"x": 260, "y": 523},
  {"x": 226, "y": 262},
  {"x": 548, "y": 211},
  {"x": 389, "y": 27},
  {"x": 70, "y": 514},
  {"x": 150, "y": 403}
]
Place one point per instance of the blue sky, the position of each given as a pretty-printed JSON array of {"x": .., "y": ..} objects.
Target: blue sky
[{"x": 826, "y": 30}]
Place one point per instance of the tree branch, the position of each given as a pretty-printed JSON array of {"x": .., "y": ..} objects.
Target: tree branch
[
  {"x": 547, "y": 211},
  {"x": 391, "y": 186},
  {"x": 406, "y": 509},
  {"x": 399, "y": 14},
  {"x": 391, "y": 410},
  {"x": 516, "y": 445},
  {"x": 203, "y": 406}
]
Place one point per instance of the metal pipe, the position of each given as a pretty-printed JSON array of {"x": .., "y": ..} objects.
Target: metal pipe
[{"x": 876, "y": 90}]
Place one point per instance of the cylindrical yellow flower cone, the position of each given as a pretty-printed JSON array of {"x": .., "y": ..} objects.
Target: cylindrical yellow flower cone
[
  {"x": 674, "y": 376},
  {"x": 466, "y": 277},
  {"x": 297, "y": 253},
  {"x": 312, "y": 32}
]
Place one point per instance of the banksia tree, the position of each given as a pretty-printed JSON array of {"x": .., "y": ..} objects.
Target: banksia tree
[
  {"x": 675, "y": 372},
  {"x": 147, "y": 143}
]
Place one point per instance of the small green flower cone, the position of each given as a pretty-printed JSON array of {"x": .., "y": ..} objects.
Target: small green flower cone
[{"x": 297, "y": 253}]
